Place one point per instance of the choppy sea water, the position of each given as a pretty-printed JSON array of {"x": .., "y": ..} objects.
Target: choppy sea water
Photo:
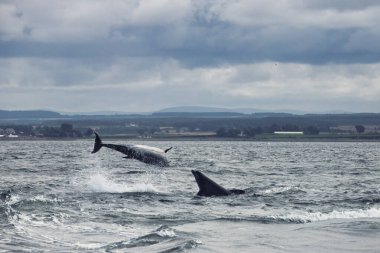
[{"x": 301, "y": 197}]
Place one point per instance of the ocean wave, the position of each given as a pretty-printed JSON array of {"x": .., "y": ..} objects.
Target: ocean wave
[
  {"x": 23, "y": 219},
  {"x": 18, "y": 200},
  {"x": 182, "y": 246},
  {"x": 159, "y": 235},
  {"x": 163, "y": 239},
  {"x": 304, "y": 217}
]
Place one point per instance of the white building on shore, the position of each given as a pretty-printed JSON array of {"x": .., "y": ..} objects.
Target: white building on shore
[{"x": 288, "y": 132}]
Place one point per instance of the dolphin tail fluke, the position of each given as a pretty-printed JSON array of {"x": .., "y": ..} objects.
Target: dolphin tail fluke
[
  {"x": 98, "y": 143},
  {"x": 166, "y": 150}
]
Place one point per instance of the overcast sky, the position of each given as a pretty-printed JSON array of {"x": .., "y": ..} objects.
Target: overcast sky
[{"x": 144, "y": 55}]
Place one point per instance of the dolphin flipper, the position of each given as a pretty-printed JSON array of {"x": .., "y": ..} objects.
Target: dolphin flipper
[{"x": 166, "y": 150}]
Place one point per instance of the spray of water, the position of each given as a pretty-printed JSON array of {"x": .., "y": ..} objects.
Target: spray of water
[{"x": 101, "y": 183}]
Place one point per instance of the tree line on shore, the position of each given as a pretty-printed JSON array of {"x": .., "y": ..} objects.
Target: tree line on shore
[
  {"x": 253, "y": 131},
  {"x": 67, "y": 130}
]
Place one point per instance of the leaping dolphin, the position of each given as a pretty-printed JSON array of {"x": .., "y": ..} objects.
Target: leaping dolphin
[
  {"x": 146, "y": 154},
  {"x": 208, "y": 188}
]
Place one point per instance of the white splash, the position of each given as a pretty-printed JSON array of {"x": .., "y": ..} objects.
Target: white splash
[
  {"x": 14, "y": 199},
  {"x": 166, "y": 233},
  {"x": 100, "y": 183},
  {"x": 88, "y": 246},
  {"x": 42, "y": 198},
  {"x": 277, "y": 190}
]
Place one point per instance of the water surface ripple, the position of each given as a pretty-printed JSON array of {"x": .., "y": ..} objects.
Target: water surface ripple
[{"x": 301, "y": 197}]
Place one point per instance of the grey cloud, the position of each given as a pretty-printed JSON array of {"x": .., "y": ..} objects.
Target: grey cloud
[
  {"x": 341, "y": 5},
  {"x": 223, "y": 46},
  {"x": 142, "y": 55},
  {"x": 202, "y": 39}
]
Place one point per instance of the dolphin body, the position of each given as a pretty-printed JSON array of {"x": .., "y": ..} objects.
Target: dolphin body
[
  {"x": 208, "y": 188},
  {"x": 146, "y": 154}
]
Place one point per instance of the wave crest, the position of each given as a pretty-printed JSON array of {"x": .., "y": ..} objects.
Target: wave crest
[
  {"x": 163, "y": 239},
  {"x": 319, "y": 216}
]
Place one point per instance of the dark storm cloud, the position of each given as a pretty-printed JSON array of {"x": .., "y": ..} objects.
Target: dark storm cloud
[{"x": 246, "y": 46}]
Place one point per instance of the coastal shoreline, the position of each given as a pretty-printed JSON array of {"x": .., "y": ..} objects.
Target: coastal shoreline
[{"x": 210, "y": 138}]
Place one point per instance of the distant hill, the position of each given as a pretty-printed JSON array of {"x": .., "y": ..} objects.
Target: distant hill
[
  {"x": 198, "y": 114},
  {"x": 206, "y": 109},
  {"x": 272, "y": 114},
  {"x": 102, "y": 113},
  {"x": 34, "y": 114}
]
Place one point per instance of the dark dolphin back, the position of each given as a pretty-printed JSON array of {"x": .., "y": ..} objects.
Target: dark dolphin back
[{"x": 236, "y": 191}]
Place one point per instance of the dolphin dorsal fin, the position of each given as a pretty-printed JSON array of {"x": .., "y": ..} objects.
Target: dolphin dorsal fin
[{"x": 208, "y": 187}]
